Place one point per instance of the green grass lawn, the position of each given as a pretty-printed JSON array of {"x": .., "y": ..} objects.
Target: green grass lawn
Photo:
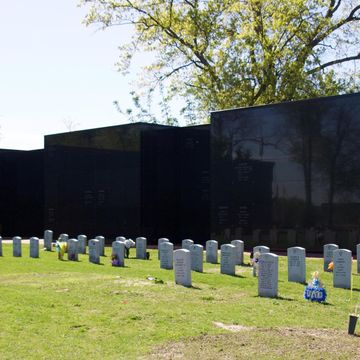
[{"x": 53, "y": 309}]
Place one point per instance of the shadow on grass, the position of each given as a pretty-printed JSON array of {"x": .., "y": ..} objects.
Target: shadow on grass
[{"x": 356, "y": 289}]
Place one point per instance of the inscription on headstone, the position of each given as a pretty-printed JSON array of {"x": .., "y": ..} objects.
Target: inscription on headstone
[
  {"x": 227, "y": 261},
  {"x": 94, "y": 251},
  {"x": 118, "y": 253},
  {"x": 196, "y": 252},
  {"x": 186, "y": 243},
  {"x": 34, "y": 247},
  {"x": 296, "y": 264},
  {"x": 141, "y": 244},
  {"x": 160, "y": 241},
  {"x": 166, "y": 255},
  {"x": 182, "y": 267},
  {"x": 48, "y": 239},
  {"x": 268, "y": 275},
  {"x": 239, "y": 252},
  {"x": 101, "y": 240},
  {"x": 82, "y": 240},
  {"x": 329, "y": 254},
  {"x": 342, "y": 269},
  {"x": 73, "y": 248},
  {"x": 17, "y": 246}
]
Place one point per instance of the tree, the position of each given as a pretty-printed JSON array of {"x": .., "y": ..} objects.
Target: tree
[{"x": 229, "y": 53}]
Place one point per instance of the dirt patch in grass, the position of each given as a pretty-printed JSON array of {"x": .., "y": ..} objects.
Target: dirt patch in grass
[{"x": 276, "y": 343}]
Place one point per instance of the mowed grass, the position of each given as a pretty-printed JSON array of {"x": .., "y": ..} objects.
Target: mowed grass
[{"x": 53, "y": 309}]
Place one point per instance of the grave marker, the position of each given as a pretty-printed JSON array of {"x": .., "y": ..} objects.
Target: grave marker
[
  {"x": 261, "y": 249},
  {"x": 48, "y": 239},
  {"x": 118, "y": 253},
  {"x": 64, "y": 237},
  {"x": 17, "y": 246},
  {"x": 160, "y": 241},
  {"x": 120, "y": 238},
  {"x": 296, "y": 257},
  {"x": 268, "y": 275},
  {"x": 94, "y": 251},
  {"x": 141, "y": 244},
  {"x": 101, "y": 245},
  {"x": 73, "y": 250},
  {"x": 182, "y": 267},
  {"x": 196, "y": 252},
  {"x": 166, "y": 255},
  {"x": 342, "y": 269},
  {"x": 34, "y": 247},
  {"x": 212, "y": 251},
  {"x": 329, "y": 254},
  {"x": 227, "y": 260},
  {"x": 239, "y": 252},
  {"x": 82, "y": 240},
  {"x": 186, "y": 243}
]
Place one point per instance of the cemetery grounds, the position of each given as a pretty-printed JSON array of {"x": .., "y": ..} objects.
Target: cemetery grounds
[{"x": 53, "y": 309}]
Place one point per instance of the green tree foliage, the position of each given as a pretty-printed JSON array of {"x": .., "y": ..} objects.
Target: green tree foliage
[{"x": 230, "y": 53}]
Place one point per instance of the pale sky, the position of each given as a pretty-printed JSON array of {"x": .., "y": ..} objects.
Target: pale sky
[{"x": 54, "y": 69}]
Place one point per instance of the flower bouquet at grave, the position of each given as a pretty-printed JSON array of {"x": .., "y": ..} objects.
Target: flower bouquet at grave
[
  {"x": 315, "y": 291},
  {"x": 115, "y": 260},
  {"x": 255, "y": 263},
  {"x": 60, "y": 248}
]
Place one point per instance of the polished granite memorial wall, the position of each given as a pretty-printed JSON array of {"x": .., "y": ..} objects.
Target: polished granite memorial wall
[
  {"x": 21, "y": 193},
  {"x": 290, "y": 165}
]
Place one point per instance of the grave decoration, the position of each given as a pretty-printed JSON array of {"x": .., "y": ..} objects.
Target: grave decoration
[
  {"x": 315, "y": 291},
  {"x": 115, "y": 261},
  {"x": 330, "y": 267},
  {"x": 60, "y": 248},
  {"x": 255, "y": 263}
]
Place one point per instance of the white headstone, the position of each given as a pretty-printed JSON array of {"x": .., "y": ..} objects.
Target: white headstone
[
  {"x": 296, "y": 257},
  {"x": 48, "y": 239},
  {"x": 94, "y": 251},
  {"x": 82, "y": 240},
  {"x": 197, "y": 256},
  {"x": 342, "y": 269},
  {"x": 291, "y": 237},
  {"x": 101, "y": 244},
  {"x": 256, "y": 236},
  {"x": 34, "y": 247},
  {"x": 268, "y": 275},
  {"x": 239, "y": 253},
  {"x": 329, "y": 254},
  {"x": 64, "y": 237},
  {"x": 261, "y": 249},
  {"x": 141, "y": 244},
  {"x": 212, "y": 251},
  {"x": 17, "y": 246},
  {"x": 358, "y": 257},
  {"x": 73, "y": 250},
  {"x": 186, "y": 243},
  {"x": 166, "y": 255},
  {"x": 227, "y": 260},
  {"x": 118, "y": 253},
  {"x": 160, "y": 241},
  {"x": 1, "y": 252},
  {"x": 182, "y": 267},
  {"x": 120, "y": 238}
]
